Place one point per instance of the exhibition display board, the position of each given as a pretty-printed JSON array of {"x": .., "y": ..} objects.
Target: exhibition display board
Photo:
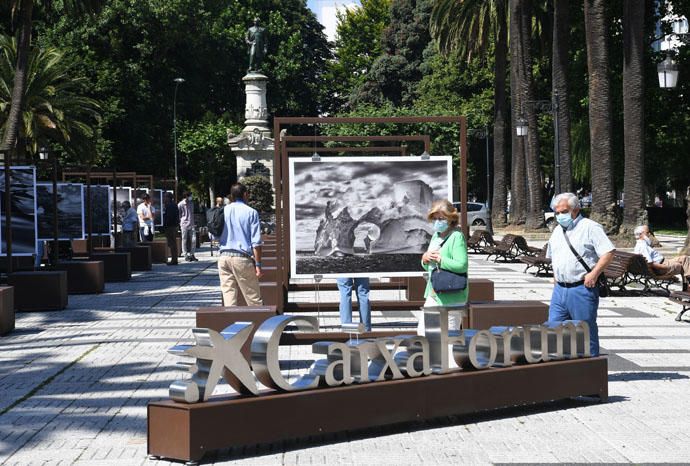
[
  {"x": 24, "y": 226},
  {"x": 70, "y": 211},
  {"x": 101, "y": 209},
  {"x": 363, "y": 216}
]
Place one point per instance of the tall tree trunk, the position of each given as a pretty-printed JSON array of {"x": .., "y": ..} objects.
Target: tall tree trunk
[
  {"x": 518, "y": 198},
  {"x": 500, "y": 192},
  {"x": 634, "y": 212},
  {"x": 535, "y": 214},
  {"x": 9, "y": 140},
  {"x": 560, "y": 61},
  {"x": 604, "y": 208}
]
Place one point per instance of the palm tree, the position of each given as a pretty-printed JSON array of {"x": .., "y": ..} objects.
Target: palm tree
[
  {"x": 634, "y": 212},
  {"x": 603, "y": 193},
  {"x": 559, "y": 72},
  {"x": 53, "y": 105},
  {"x": 22, "y": 12},
  {"x": 521, "y": 53},
  {"x": 518, "y": 190},
  {"x": 467, "y": 26}
]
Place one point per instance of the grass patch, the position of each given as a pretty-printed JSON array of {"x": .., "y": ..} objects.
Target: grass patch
[{"x": 671, "y": 231}]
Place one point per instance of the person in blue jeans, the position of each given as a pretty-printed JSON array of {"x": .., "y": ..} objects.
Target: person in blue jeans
[{"x": 361, "y": 286}]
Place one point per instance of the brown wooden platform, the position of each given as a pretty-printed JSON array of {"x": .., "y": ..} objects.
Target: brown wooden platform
[
  {"x": 117, "y": 265},
  {"x": 187, "y": 431},
  {"x": 39, "y": 291},
  {"x": 140, "y": 257},
  {"x": 83, "y": 276},
  {"x": 7, "y": 316},
  {"x": 159, "y": 252},
  {"x": 483, "y": 315}
]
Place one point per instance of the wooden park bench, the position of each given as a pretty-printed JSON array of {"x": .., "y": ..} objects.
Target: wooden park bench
[
  {"x": 649, "y": 277},
  {"x": 525, "y": 249},
  {"x": 682, "y": 298},
  {"x": 479, "y": 240},
  {"x": 505, "y": 249},
  {"x": 540, "y": 261},
  {"x": 622, "y": 270}
]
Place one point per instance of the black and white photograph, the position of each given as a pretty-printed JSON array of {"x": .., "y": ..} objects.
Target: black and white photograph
[
  {"x": 122, "y": 194},
  {"x": 157, "y": 200},
  {"x": 70, "y": 210},
  {"x": 23, "y": 192},
  {"x": 101, "y": 210},
  {"x": 363, "y": 216}
]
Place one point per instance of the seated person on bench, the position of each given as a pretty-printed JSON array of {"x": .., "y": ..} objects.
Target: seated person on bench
[{"x": 679, "y": 265}]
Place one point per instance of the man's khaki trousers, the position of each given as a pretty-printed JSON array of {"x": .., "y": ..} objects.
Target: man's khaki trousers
[{"x": 238, "y": 274}]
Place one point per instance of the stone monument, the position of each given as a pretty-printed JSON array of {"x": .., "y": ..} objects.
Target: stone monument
[{"x": 254, "y": 146}]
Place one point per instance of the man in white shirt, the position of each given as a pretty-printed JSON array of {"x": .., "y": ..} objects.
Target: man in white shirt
[
  {"x": 145, "y": 211},
  {"x": 575, "y": 294},
  {"x": 679, "y": 265}
]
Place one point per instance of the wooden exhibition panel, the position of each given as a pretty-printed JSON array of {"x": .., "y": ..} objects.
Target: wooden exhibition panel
[
  {"x": 7, "y": 316},
  {"x": 187, "y": 431}
]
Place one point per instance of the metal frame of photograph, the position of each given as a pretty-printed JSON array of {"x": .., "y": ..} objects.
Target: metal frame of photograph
[
  {"x": 20, "y": 222},
  {"x": 70, "y": 211},
  {"x": 363, "y": 216},
  {"x": 105, "y": 213}
]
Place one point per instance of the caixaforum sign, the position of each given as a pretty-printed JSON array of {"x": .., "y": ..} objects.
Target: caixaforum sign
[{"x": 438, "y": 352}]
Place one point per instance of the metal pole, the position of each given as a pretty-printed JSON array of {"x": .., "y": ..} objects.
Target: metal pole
[
  {"x": 56, "y": 242},
  {"x": 8, "y": 213},
  {"x": 177, "y": 83},
  {"x": 114, "y": 208},
  {"x": 557, "y": 146},
  {"x": 489, "y": 224},
  {"x": 89, "y": 226}
]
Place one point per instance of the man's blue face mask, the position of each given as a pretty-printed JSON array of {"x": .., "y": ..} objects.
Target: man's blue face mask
[{"x": 564, "y": 219}]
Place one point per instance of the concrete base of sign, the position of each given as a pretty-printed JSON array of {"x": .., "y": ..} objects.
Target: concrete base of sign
[
  {"x": 187, "y": 431},
  {"x": 6, "y": 309},
  {"x": 117, "y": 265},
  {"x": 483, "y": 315},
  {"x": 83, "y": 276},
  {"x": 39, "y": 291},
  {"x": 140, "y": 256},
  {"x": 159, "y": 252}
]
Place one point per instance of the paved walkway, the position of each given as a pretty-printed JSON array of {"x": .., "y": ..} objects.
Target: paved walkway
[{"x": 74, "y": 384}]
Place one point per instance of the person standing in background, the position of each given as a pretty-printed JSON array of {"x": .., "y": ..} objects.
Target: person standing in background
[
  {"x": 130, "y": 222},
  {"x": 187, "y": 227},
  {"x": 145, "y": 211},
  {"x": 171, "y": 218}
]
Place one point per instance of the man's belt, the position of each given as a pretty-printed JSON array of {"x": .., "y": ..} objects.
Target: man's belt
[
  {"x": 226, "y": 252},
  {"x": 571, "y": 285}
]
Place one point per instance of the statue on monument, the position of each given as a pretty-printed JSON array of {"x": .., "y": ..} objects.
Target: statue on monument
[{"x": 258, "y": 46}]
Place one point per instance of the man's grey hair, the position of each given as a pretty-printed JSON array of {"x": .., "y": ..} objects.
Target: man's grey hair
[
  {"x": 639, "y": 230},
  {"x": 573, "y": 201}
]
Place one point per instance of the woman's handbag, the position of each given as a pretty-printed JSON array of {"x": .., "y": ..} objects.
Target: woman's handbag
[{"x": 445, "y": 281}]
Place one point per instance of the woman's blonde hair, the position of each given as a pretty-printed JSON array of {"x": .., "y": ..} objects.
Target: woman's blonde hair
[{"x": 444, "y": 207}]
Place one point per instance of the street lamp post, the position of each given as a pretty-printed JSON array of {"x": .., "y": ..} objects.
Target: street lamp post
[
  {"x": 484, "y": 133},
  {"x": 522, "y": 126},
  {"x": 178, "y": 81},
  {"x": 44, "y": 154}
]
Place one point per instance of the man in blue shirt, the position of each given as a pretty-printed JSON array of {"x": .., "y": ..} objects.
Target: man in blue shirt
[
  {"x": 575, "y": 295},
  {"x": 239, "y": 265}
]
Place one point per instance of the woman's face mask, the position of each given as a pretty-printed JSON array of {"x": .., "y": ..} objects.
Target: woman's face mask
[{"x": 440, "y": 225}]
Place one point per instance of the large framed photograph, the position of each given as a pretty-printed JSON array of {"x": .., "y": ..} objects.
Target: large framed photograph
[
  {"x": 363, "y": 216},
  {"x": 70, "y": 211},
  {"x": 157, "y": 200},
  {"x": 122, "y": 194},
  {"x": 101, "y": 210},
  {"x": 23, "y": 210}
]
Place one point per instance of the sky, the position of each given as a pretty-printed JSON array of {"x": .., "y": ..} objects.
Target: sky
[{"x": 325, "y": 12}]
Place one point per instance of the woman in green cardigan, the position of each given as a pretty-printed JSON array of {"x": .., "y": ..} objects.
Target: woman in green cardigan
[{"x": 447, "y": 250}]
